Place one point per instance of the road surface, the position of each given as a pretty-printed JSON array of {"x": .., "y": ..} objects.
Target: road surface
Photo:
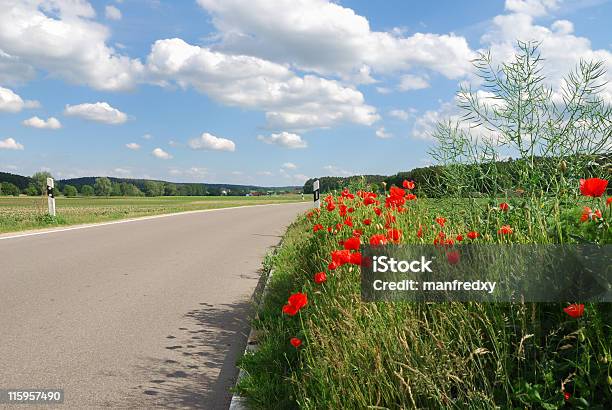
[{"x": 149, "y": 313}]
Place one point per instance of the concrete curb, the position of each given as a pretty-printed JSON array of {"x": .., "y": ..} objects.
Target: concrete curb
[{"x": 239, "y": 402}]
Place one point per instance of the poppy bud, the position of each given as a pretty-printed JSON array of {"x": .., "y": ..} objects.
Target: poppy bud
[{"x": 562, "y": 166}]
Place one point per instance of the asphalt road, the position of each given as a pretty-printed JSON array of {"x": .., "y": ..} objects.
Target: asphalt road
[{"x": 150, "y": 313}]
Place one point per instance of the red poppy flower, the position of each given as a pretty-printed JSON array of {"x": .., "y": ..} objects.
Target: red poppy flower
[
  {"x": 348, "y": 221},
  {"x": 420, "y": 232},
  {"x": 377, "y": 211},
  {"x": 453, "y": 257},
  {"x": 408, "y": 184},
  {"x": 341, "y": 257},
  {"x": 609, "y": 201},
  {"x": 290, "y": 310},
  {"x": 504, "y": 206},
  {"x": 441, "y": 221},
  {"x": 396, "y": 192},
  {"x": 320, "y": 277},
  {"x": 298, "y": 300},
  {"x": 357, "y": 232},
  {"x": 378, "y": 239},
  {"x": 505, "y": 230},
  {"x": 368, "y": 200},
  {"x": 459, "y": 238},
  {"x": 317, "y": 227},
  {"x": 367, "y": 221},
  {"x": 587, "y": 214},
  {"x": 567, "y": 395},
  {"x": 411, "y": 197},
  {"x": 394, "y": 235},
  {"x": 332, "y": 266},
  {"x": 473, "y": 235},
  {"x": 331, "y": 206},
  {"x": 352, "y": 243},
  {"x": 295, "y": 342},
  {"x": 355, "y": 258},
  {"x": 594, "y": 187},
  {"x": 575, "y": 310},
  {"x": 350, "y": 210}
]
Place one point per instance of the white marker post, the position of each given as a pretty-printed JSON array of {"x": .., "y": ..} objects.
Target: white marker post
[
  {"x": 315, "y": 192},
  {"x": 50, "y": 196}
]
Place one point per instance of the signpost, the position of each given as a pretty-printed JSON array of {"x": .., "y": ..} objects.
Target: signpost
[
  {"x": 315, "y": 192},
  {"x": 50, "y": 196}
]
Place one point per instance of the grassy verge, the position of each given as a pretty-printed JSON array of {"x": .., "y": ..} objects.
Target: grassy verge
[
  {"x": 22, "y": 213},
  {"x": 436, "y": 355}
]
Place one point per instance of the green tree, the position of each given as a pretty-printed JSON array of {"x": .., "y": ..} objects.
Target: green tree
[
  {"x": 170, "y": 190},
  {"x": 87, "y": 190},
  {"x": 31, "y": 190},
  {"x": 130, "y": 190},
  {"x": 70, "y": 191},
  {"x": 153, "y": 188},
  {"x": 39, "y": 180},
  {"x": 103, "y": 186},
  {"x": 116, "y": 189}
]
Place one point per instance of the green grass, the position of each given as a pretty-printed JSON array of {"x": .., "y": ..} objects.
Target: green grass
[
  {"x": 22, "y": 213},
  {"x": 358, "y": 355}
]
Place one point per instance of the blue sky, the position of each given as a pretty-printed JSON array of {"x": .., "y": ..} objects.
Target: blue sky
[{"x": 256, "y": 92}]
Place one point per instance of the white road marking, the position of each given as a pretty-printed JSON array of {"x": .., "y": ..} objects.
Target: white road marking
[{"x": 123, "y": 221}]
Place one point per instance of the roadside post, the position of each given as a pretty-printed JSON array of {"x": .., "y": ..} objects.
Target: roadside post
[
  {"x": 50, "y": 196},
  {"x": 315, "y": 192}
]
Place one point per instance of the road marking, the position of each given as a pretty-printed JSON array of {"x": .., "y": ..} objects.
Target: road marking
[{"x": 143, "y": 218}]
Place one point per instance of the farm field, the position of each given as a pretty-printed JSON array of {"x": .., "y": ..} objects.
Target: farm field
[{"x": 22, "y": 213}]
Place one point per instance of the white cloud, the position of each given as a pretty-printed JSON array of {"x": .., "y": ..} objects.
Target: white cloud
[
  {"x": 289, "y": 165},
  {"x": 11, "y": 102},
  {"x": 402, "y": 114},
  {"x": 50, "y": 123},
  {"x": 384, "y": 90},
  {"x": 147, "y": 137},
  {"x": 62, "y": 38},
  {"x": 100, "y": 112},
  {"x": 112, "y": 13},
  {"x": 192, "y": 172},
  {"x": 327, "y": 38},
  {"x": 290, "y": 101},
  {"x": 334, "y": 170},
  {"x": 265, "y": 173},
  {"x": 532, "y": 7},
  {"x": 133, "y": 146},
  {"x": 284, "y": 139},
  {"x": 122, "y": 171},
  {"x": 208, "y": 141},
  {"x": 10, "y": 143},
  {"x": 160, "y": 153},
  {"x": 413, "y": 82},
  {"x": 13, "y": 70},
  {"x": 383, "y": 134}
]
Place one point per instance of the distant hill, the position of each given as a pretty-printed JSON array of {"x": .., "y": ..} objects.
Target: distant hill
[{"x": 21, "y": 181}]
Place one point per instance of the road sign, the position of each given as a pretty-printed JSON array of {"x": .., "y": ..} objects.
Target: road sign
[
  {"x": 50, "y": 196},
  {"x": 315, "y": 191}
]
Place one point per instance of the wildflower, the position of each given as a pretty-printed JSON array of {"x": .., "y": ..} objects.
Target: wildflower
[
  {"x": 594, "y": 187},
  {"x": 367, "y": 221},
  {"x": 441, "y": 221},
  {"x": 459, "y": 238},
  {"x": 352, "y": 243},
  {"x": 377, "y": 211},
  {"x": 290, "y": 310},
  {"x": 357, "y": 232},
  {"x": 320, "y": 277},
  {"x": 420, "y": 232},
  {"x": 332, "y": 266},
  {"x": 317, "y": 227},
  {"x": 342, "y": 210},
  {"x": 473, "y": 235},
  {"x": 348, "y": 221},
  {"x": 408, "y": 184},
  {"x": 505, "y": 230},
  {"x": 587, "y": 214},
  {"x": 378, "y": 239},
  {"x": 331, "y": 206},
  {"x": 504, "y": 207},
  {"x": 368, "y": 200},
  {"x": 295, "y": 342},
  {"x": 567, "y": 395},
  {"x": 453, "y": 257},
  {"x": 341, "y": 257},
  {"x": 574, "y": 310},
  {"x": 609, "y": 201},
  {"x": 355, "y": 258},
  {"x": 411, "y": 197},
  {"x": 394, "y": 235}
]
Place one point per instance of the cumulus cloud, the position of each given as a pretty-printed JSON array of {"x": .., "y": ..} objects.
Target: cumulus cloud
[
  {"x": 383, "y": 134},
  {"x": 290, "y": 101},
  {"x": 284, "y": 139},
  {"x": 289, "y": 165},
  {"x": 11, "y": 144},
  {"x": 334, "y": 170},
  {"x": 325, "y": 37},
  {"x": 11, "y": 102},
  {"x": 13, "y": 70},
  {"x": 133, "y": 146},
  {"x": 532, "y": 7},
  {"x": 413, "y": 82},
  {"x": 208, "y": 141},
  {"x": 112, "y": 13},
  {"x": 99, "y": 112},
  {"x": 161, "y": 154},
  {"x": 402, "y": 114},
  {"x": 50, "y": 123},
  {"x": 62, "y": 38}
]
